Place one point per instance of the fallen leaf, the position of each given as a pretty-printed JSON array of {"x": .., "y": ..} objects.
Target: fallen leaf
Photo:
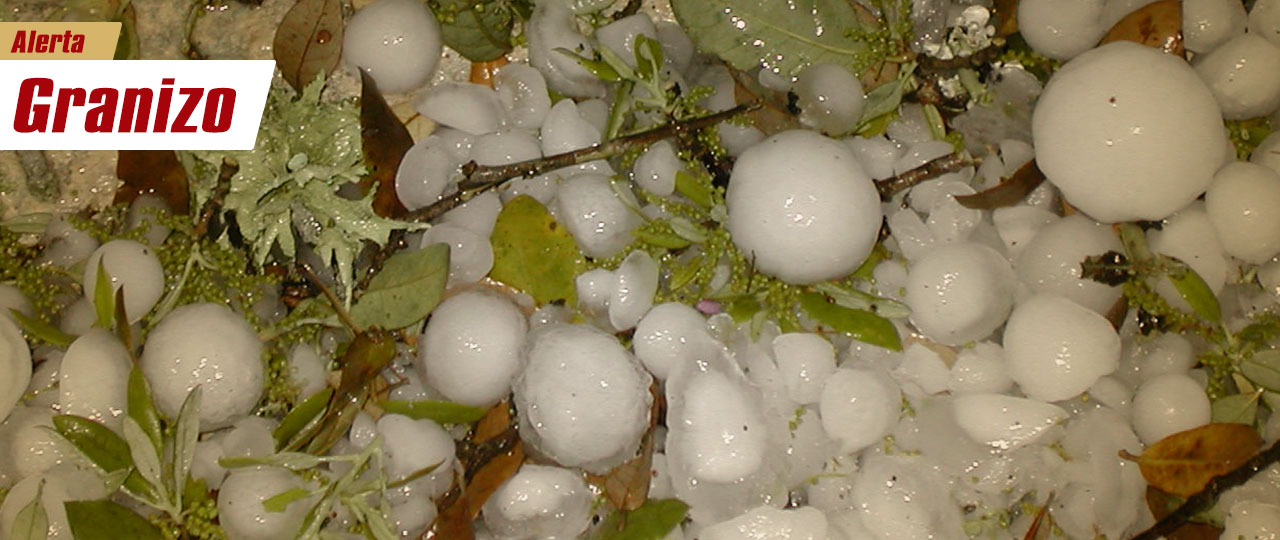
[
  {"x": 1007, "y": 193},
  {"x": 534, "y": 253},
  {"x": 1161, "y": 504},
  {"x": 405, "y": 289},
  {"x": 1158, "y": 25},
  {"x": 385, "y": 140},
  {"x": 308, "y": 41},
  {"x": 491, "y": 476},
  {"x": 627, "y": 485},
  {"x": 773, "y": 116},
  {"x": 652, "y": 521},
  {"x": 1006, "y": 15},
  {"x": 1183, "y": 463},
  {"x": 152, "y": 172},
  {"x": 452, "y": 523}
]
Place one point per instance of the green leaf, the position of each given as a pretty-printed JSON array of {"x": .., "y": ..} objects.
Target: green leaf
[
  {"x": 598, "y": 67},
  {"x": 185, "y": 436},
  {"x": 659, "y": 233},
  {"x": 1195, "y": 291},
  {"x": 280, "y": 501},
  {"x": 780, "y": 36},
  {"x": 1237, "y": 409},
  {"x": 42, "y": 330},
  {"x": 1263, "y": 369},
  {"x": 742, "y": 307},
  {"x": 146, "y": 457},
  {"x": 652, "y": 521},
  {"x": 882, "y": 102},
  {"x": 304, "y": 413},
  {"x": 294, "y": 461},
  {"x": 34, "y": 223},
  {"x": 534, "y": 253},
  {"x": 105, "y": 520},
  {"x": 32, "y": 522},
  {"x": 105, "y": 449},
  {"x": 479, "y": 31},
  {"x": 860, "y": 324},
  {"x": 649, "y": 58},
  {"x": 104, "y": 298},
  {"x": 694, "y": 189},
  {"x": 443, "y": 412},
  {"x": 141, "y": 407},
  {"x": 407, "y": 288},
  {"x": 856, "y": 299}
]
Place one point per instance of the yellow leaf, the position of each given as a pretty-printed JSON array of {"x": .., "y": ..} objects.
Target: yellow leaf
[{"x": 1183, "y": 463}]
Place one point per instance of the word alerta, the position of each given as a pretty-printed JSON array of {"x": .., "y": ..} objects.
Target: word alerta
[
  {"x": 32, "y": 41},
  {"x": 126, "y": 110}
]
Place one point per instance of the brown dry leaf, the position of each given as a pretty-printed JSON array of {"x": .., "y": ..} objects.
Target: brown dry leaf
[
  {"x": 1042, "y": 518},
  {"x": 1158, "y": 25},
  {"x": 1006, "y": 13},
  {"x": 152, "y": 172},
  {"x": 452, "y": 523},
  {"x": 385, "y": 141},
  {"x": 1007, "y": 193},
  {"x": 627, "y": 485},
  {"x": 772, "y": 117},
  {"x": 491, "y": 476},
  {"x": 1161, "y": 504},
  {"x": 308, "y": 41},
  {"x": 1183, "y": 463},
  {"x": 484, "y": 72}
]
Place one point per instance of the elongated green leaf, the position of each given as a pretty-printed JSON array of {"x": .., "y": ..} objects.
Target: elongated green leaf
[
  {"x": 141, "y": 407},
  {"x": 406, "y": 289},
  {"x": 862, "y": 325},
  {"x": 294, "y": 461},
  {"x": 443, "y": 412},
  {"x": 1263, "y": 369},
  {"x": 104, "y": 299},
  {"x": 146, "y": 457},
  {"x": 32, "y": 522},
  {"x": 42, "y": 330},
  {"x": 1237, "y": 409},
  {"x": 187, "y": 433},
  {"x": 534, "y": 253},
  {"x": 652, "y": 521},
  {"x": 659, "y": 234},
  {"x": 280, "y": 501},
  {"x": 479, "y": 31},
  {"x": 693, "y": 189},
  {"x": 293, "y": 423},
  {"x": 98, "y": 443},
  {"x": 28, "y": 223},
  {"x": 105, "y": 520},
  {"x": 1195, "y": 291}
]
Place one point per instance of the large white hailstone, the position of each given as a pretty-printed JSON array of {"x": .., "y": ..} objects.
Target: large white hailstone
[
  {"x": 725, "y": 433},
  {"x": 805, "y": 360},
  {"x": 899, "y": 498},
  {"x": 859, "y": 407},
  {"x": 1190, "y": 236},
  {"x": 1050, "y": 263},
  {"x": 1127, "y": 132},
  {"x": 1006, "y": 422},
  {"x": 468, "y": 107},
  {"x": 1244, "y": 205},
  {"x": 802, "y": 208},
  {"x": 565, "y": 130},
  {"x": 523, "y": 93},
  {"x": 211, "y": 346},
  {"x": 470, "y": 255},
  {"x": 413, "y": 445},
  {"x": 1264, "y": 20},
  {"x": 240, "y": 509},
  {"x": 1209, "y": 23},
  {"x": 424, "y": 172},
  {"x": 146, "y": 209},
  {"x": 470, "y": 350},
  {"x": 830, "y": 98},
  {"x": 668, "y": 335},
  {"x": 397, "y": 42},
  {"x": 980, "y": 369},
  {"x": 1017, "y": 225},
  {"x": 677, "y": 48},
  {"x": 1105, "y": 495},
  {"x": 553, "y": 27},
  {"x": 56, "y": 489},
  {"x": 134, "y": 268},
  {"x": 1061, "y": 29},
  {"x": 656, "y": 169},
  {"x": 1056, "y": 348},
  {"x": 505, "y": 147},
  {"x": 94, "y": 377},
  {"x": 637, "y": 283},
  {"x": 769, "y": 523},
  {"x": 594, "y": 215},
  {"x": 960, "y": 292},
  {"x": 1168, "y": 404},
  {"x": 1244, "y": 75},
  {"x": 620, "y": 35},
  {"x": 583, "y": 399},
  {"x": 1252, "y": 520},
  {"x": 29, "y": 446},
  {"x": 539, "y": 502},
  {"x": 15, "y": 366}
]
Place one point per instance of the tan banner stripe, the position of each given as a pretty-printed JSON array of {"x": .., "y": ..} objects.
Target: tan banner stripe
[{"x": 58, "y": 40}]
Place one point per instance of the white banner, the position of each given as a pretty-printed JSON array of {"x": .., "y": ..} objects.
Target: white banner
[{"x": 132, "y": 104}]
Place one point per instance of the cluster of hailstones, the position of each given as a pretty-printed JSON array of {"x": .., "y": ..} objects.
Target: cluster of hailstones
[{"x": 1016, "y": 384}]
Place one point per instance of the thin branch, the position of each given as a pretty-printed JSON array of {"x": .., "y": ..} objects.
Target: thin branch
[
  {"x": 946, "y": 164},
  {"x": 214, "y": 203}
]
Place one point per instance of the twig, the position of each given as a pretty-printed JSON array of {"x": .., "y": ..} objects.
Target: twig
[
  {"x": 932, "y": 169},
  {"x": 1206, "y": 497},
  {"x": 214, "y": 202},
  {"x": 478, "y": 179}
]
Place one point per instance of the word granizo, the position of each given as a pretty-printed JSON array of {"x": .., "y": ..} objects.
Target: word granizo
[{"x": 124, "y": 110}]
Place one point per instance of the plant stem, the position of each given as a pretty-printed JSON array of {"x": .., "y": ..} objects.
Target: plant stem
[
  {"x": 937, "y": 167},
  {"x": 1206, "y": 497}
]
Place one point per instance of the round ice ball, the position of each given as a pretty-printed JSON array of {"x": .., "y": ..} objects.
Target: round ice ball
[
  {"x": 1127, "y": 132},
  {"x": 1168, "y": 404},
  {"x": 397, "y": 42},
  {"x": 801, "y": 206},
  {"x": 1244, "y": 75},
  {"x": 960, "y": 292},
  {"x": 134, "y": 268},
  {"x": 769, "y": 523},
  {"x": 1061, "y": 29},
  {"x": 1208, "y": 23},
  {"x": 724, "y": 437},
  {"x": 1050, "y": 263},
  {"x": 468, "y": 107},
  {"x": 594, "y": 215},
  {"x": 414, "y": 445},
  {"x": 470, "y": 255},
  {"x": 94, "y": 376},
  {"x": 470, "y": 350},
  {"x": 830, "y": 98},
  {"x": 15, "y": 366},
  {"x": 1252, "y": 520},
  {"x": 240, "y": 504},
  {"x": 668, "y": 335},
  {"x": 523, "y": 93},
  {"x": 211, "y": 346},
  {"x": 424, "y": 172},
  {"x": 1056, "y": 348},
  {"x": 583, "y": 399},
  {"x": 1005, "y": 422},
  {"x": 540, "y": 502},
  {"x": 1244, "y": 206},
  {"x": 859, "y": 407}
]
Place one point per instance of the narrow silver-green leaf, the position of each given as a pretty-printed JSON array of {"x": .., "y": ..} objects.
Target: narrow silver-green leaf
[
  {"x": 280, "y": 501},
  {"x": 1263, "y": 369},
  {"x": 406, "y": 289},
  {"x": 106, "y": 520},
  {"x": 855, "y": 299},
  {"x": 443, "y": 412},
  {"x": 294, "y": 461},
  {"x": 186, "y": 434},
  {"x": 652, "y": 521},
  {"x": 1195, "y": 291},
  {"x": 42, "y": 330},
  {"x": 28, "y": 224},
  {"x": 141, "y": 407},
  {"x": 104, "y": 298},
  {"x": 1236, "y": 409},
  {"x": 32, "y": 522},
  {"x": 146, "y": 458},
  {"x": 860, "y": 324},
  {"x": 301, "y": 417}
]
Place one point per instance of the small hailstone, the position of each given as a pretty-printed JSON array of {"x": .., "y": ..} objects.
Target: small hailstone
[
  {"x": 413, "y": 445},
  {"x": 726, "y": 438},
  {"x": 769, "y": 523},
  {"x": 424, "y": 172},
  {"x": 250, "y": 436},
  {"x": 594, "y": 215},
  {"x": 1113, "y": 393},
  {"x": 924, "y": 368},
  {"x": 1056, "y": 348},
  {"x": 307, "y": 370},
  {"x": 240, "y": 504},
  {"x": 668, "y": 335},
  {"x": 960, "y": 292},
  {"x": 65, "y": 245},
  {"x": 77, "y": 317},
  {"x": 1209, "y": 23},
  {"x": 211, "y": 346},
  {"x": 620, "y": 35},
  {"x": 1166, "y": 354},
  {"x": 1005, "y": 422},
  {"x": 830, "y": 98},
  {"x": 1061, "y": 29},
  {"x": 15, "y": 366},
  {"x": 1017, "y": 225},
  {"x": 805, "y": 360},
  {"x": 859, "y": 407},
  {"x": 470, "y": 350},
  {"x": 899, "y": 499},
  {"x": 134, "y": 268},
  {"x": 656, "y": 169},
  {"x": 1168, "y": 404},
  {"x": 876, "y": 154},
  {"x": 595, "y": 288},
  {"x": 56, "y": 489},
  {"x": 583, "y": 399},
  {"x": 147, "y": 209},
  {"x": 802, "y": 208},
  {"x": 470, "y": 255},
  {"x": 1244, "y": 206},
  {"x": 477, "y": 215},
  {"x": 504, "y": 148},
  {"x": 539, "y": 502},
  {"x": 1050, "y": 262},
  {"x": 553, "y": 27},
  {"x": 980, "y": 369},
  {"x": 94, "y": 377},
  {"x": 1253, "y": 520},
  {"x": 1244, "y": 75},
  {"x": 30, "y": 446},
  {"x": 565, "y": 130},
  {"x": 397, "y": 42},
  {"x": 1190, "y": 236},
  {"x": 1264, "y": 20},
  {"x": 523, "y": 93},
  {"x": 637, "y": 283},
  {"x": 412, "y": 516},
  {"x": 677, "y": 48}
]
